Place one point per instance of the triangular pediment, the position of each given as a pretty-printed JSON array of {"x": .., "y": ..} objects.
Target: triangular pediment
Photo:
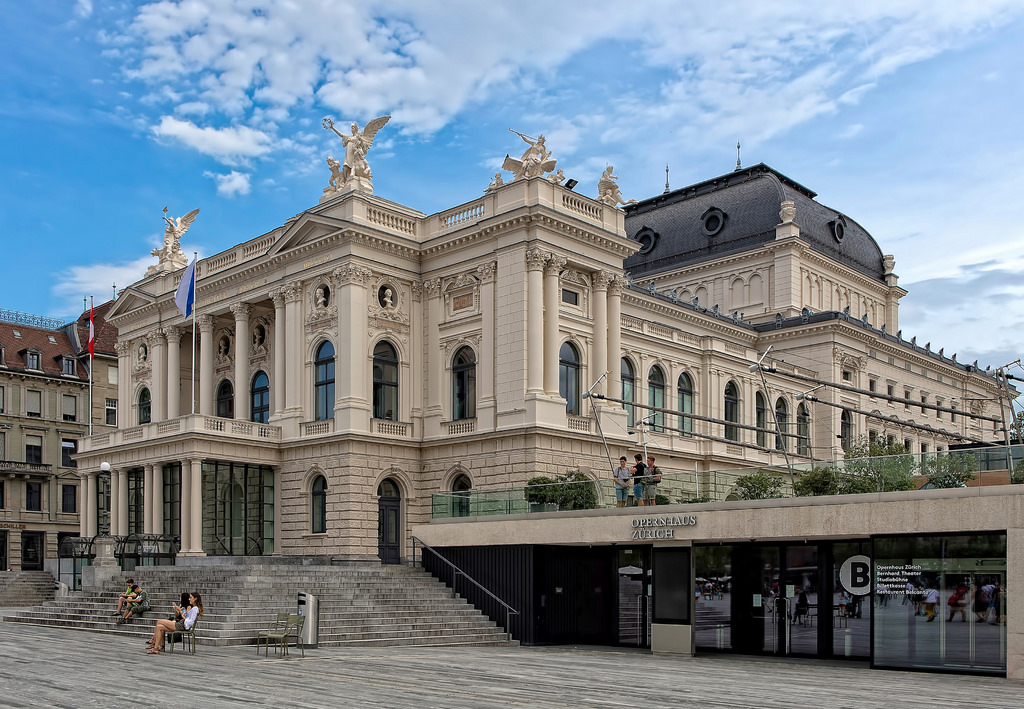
[
  {"x": 307, "y": 228},
  {"x": 130, "y": 300}
]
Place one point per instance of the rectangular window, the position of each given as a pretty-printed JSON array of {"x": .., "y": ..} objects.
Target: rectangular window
[
  {"x": 69, "y": 407},
  {"x": 32, "y": 360},
  {"x": 872, "y": 384},
  {"x": 938, "y": 412},
  {"x": 3, "y": 503},
  {"x": 33, "y": 449},
  {"x": 906, "y": 396},
  {"x": 112, "y": 374},
  {"x": 33, "y": 496},
  {"x": 1, "y": 400},
  {"x": 69, "y": 499},
  {"x": 3, "y": 446},
  {"x": 890, "y": 390},
  {"x": 571, "y": 297},
  {"x": 924, "y": 448},
  {"x": 69, "y": 366},
  {"x": 67, "y": 449},
  {"x": 908, "y": 445},
  {"x": 952, "y": 414},
  {"x": 110, "y": 407},
  {"x": 34, "y": 403},
  {"x": 924, "y": 400},
  {"x": 847, "y": 375}
]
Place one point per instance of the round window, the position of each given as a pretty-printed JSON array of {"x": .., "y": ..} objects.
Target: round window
[
  {"x": 647, "y": 238},
  {"x": 838, "y": 226},
  {"x": 712, "y": 221}
]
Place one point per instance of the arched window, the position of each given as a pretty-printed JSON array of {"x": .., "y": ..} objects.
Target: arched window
[
  {"x": 464, "y": 384},
  {"x": 761, "y": 407},
  {"x": 324, "y": 383},
  {"x": 460, "y": 496},
  {"x": 145, "y": 407},
  {"x": 732, "y": 411},
  {"x": 225, "y": 400},
  {"x": 628, "y": 389},
  {"x": 385, "y": 381},
  {"x": 656, "y": 397},
  {"x": 569, "y": 378},
  {"x": 685, "y": 391},
  {"x": 846, "y": 429},
  {"x": 782, "y": 419},
  {"x": 803, "y": 430},
  {"x": 260, "y": 398},
  {"x": 318, "y": 512}
]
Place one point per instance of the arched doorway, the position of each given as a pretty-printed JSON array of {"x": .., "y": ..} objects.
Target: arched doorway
[{"x": 389, "y": 505}]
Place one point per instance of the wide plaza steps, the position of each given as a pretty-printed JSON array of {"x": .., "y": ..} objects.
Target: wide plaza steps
[
  {"x": 360, "y": 605},
  {"x": 26, "y": 588}
]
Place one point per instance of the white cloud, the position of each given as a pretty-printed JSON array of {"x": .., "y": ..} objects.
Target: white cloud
[
  {"x": 851, "y": 130},
  {"x": 97, "y": 280},
  {"x": 83, "y": 8},
  {"x": 229, "y": 145},
  {"x": 232, "y": 184}
]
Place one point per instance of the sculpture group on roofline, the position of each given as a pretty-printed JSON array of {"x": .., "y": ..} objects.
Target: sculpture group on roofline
[
  {"x": 170, "y": 254},
  {"x": 353, "y": 172}
]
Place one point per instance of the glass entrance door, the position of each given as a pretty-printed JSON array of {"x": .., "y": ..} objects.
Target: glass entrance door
[
  {"x": 634, "y": 596},
  {"x": 32, "y": 545}
]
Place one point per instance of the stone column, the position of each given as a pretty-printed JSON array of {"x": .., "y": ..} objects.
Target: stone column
[
  {"x": 157, "y": 518},
  {"x": 122, "y": 507},
  {"x": 614, "y": 387},
  {"x": 174, "y": 372},
  {"x": 435, "y": 358},
  {"x": 352, "y": 407},
  {"x": 601, "y": 335},
  {"x": 207, "y": 347},
  {"x": 124, "y": 382},
  {"x": 293, "y": 341},
  {"x": 115, "y": 502},
  {"x": 83, "y": 505},
  {"x": 185, "y": 515},
  {"x": 486, "y": 367},
  {"x": 91, "y": 513},
  {"x": 552, "y": 296},
  {"x": 277, "y": 385},
  {"x": 241, "y": 312},
  {"x": 535, "y": 321},
  {"x": 158, "y": 358},
  {"x": 147, "y": 504},
  {"x": 196, "y": 498}
]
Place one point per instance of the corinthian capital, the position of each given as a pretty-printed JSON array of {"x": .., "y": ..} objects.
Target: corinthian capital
[
  {"x": 241, "y": 311},
  {"x": 351, "y": 274},
  {"x": 205, "y": 323},
  {"x": 535, "y": 259},
  {"x": 554, "y": 265}
]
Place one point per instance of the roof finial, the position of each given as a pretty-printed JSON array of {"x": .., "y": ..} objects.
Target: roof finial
[
  {"x": 738, "y": 165},
  {"x": 666, "y": 179}
]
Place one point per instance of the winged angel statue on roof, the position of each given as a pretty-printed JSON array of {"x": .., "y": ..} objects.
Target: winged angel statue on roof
[
  {"x": 354, "y": 171},
  {"x": 171, "y": 256}
]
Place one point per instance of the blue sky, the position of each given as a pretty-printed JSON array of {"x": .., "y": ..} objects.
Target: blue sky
[{"x": 903, "y": 115}]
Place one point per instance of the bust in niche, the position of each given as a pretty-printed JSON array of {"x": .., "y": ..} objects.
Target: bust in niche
[
  {"x": 258, "y": 336},
  {"x": 223, "y": 347},
  {"x": 385, "y": 297},
  {"x": 321, "y": 296},
  {"x": 143, "y": 353}
]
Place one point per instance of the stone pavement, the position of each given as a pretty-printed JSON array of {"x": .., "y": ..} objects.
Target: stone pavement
[{"x": 48, "y": 667}]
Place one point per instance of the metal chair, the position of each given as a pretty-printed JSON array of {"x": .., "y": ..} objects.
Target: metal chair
[
  {"x": 188, "y": 638},
  {"x": 276, "y": 630}
]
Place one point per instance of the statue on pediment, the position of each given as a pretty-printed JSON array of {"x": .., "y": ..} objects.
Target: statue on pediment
[
  {"x": 535, "y": 162},
  {"x": 608, "y": 189},
  {"x": 355, "y": 170},
  {"x": 171, "y": 256}
]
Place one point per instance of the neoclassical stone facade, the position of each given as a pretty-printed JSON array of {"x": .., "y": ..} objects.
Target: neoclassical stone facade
[{"x": 363, "y": 356}]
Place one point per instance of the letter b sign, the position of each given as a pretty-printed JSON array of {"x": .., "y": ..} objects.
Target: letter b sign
[{"x": 855, "y": 575}]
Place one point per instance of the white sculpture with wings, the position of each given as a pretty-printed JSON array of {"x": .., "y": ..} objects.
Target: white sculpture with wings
[
  {"x": 355, "y": 171},
  {"x": 171, "y": 256}
]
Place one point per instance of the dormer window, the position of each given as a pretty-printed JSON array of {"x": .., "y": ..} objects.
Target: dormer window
[
  {"x": 32, "y": 359},
  {"x": 68, "y": 366}
]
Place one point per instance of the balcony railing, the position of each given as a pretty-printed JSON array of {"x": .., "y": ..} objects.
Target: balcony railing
[
  {"x": 20, "y": 468},
  {"x": 183, "y": 425},
  {"x": 995, "y": 465}
]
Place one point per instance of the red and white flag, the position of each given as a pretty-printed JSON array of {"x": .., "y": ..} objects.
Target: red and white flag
[{"x": 92, "y": 334}]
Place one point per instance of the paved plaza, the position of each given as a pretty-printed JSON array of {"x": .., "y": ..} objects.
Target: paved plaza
[{"x": 47, "y": 667}]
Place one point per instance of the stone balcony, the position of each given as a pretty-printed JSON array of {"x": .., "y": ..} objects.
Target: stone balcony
[
  {"x": 17, "y": 467},
  {"x": 207, "y": 426}
]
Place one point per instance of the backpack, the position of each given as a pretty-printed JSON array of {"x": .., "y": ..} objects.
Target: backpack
[{"x": 656, "y": 477}]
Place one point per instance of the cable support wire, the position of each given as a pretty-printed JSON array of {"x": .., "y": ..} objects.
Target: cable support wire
[
  {"x": 695, "y": 417},
  {"x": 900, "y": 422},
  {"x": 877, "y": 395}
]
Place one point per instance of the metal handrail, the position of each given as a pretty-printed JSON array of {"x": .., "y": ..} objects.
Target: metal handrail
[{"x": 509, "y": 610}]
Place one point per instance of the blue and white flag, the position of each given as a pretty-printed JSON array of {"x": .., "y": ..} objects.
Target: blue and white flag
[{"x": 185, "y": 297}]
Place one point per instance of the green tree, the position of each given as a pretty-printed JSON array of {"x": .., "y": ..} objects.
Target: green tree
[
  {"x": 540, "y": 489},
  {"x": 878, "y": 466},
  {"x": 817, "y": 481},
  {"x": 950, "y": 470},
  {"x": 759, "y": 486}
]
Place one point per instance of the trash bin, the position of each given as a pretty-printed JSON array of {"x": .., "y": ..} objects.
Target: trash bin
[{"x": 309, "y": 607}]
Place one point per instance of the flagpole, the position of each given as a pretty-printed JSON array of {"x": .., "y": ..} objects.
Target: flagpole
[
  {"x": 195, "y": 302},
  {"x": 92, "y": 349}
]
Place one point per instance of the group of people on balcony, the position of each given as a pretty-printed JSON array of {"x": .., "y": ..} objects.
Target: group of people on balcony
[{"x": 641, "y": 479}]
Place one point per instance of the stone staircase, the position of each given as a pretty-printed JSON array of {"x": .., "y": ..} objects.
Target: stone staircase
[
  {"x": 368, "y": 605},
  {"x": 26, "y": 588}
]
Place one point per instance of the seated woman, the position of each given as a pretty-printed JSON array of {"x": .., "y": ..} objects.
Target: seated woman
[{"x": 188, "y": 619}]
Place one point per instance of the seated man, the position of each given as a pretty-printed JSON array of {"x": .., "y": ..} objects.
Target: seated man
[
  {"x": 137, "y": 602},
  {"x": 121, "y": 599}
]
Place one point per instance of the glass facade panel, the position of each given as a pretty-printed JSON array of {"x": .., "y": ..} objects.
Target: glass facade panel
[
  {"x": 172, "y": 499},
  {"x": 941, "y": 602},
  {"x": 238, "y": 504}
]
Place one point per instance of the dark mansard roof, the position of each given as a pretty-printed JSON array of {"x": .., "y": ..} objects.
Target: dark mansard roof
[{"x": 735, "y": 213}]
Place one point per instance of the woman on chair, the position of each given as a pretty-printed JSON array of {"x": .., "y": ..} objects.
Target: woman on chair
[{"x": 188, "y": 619}]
